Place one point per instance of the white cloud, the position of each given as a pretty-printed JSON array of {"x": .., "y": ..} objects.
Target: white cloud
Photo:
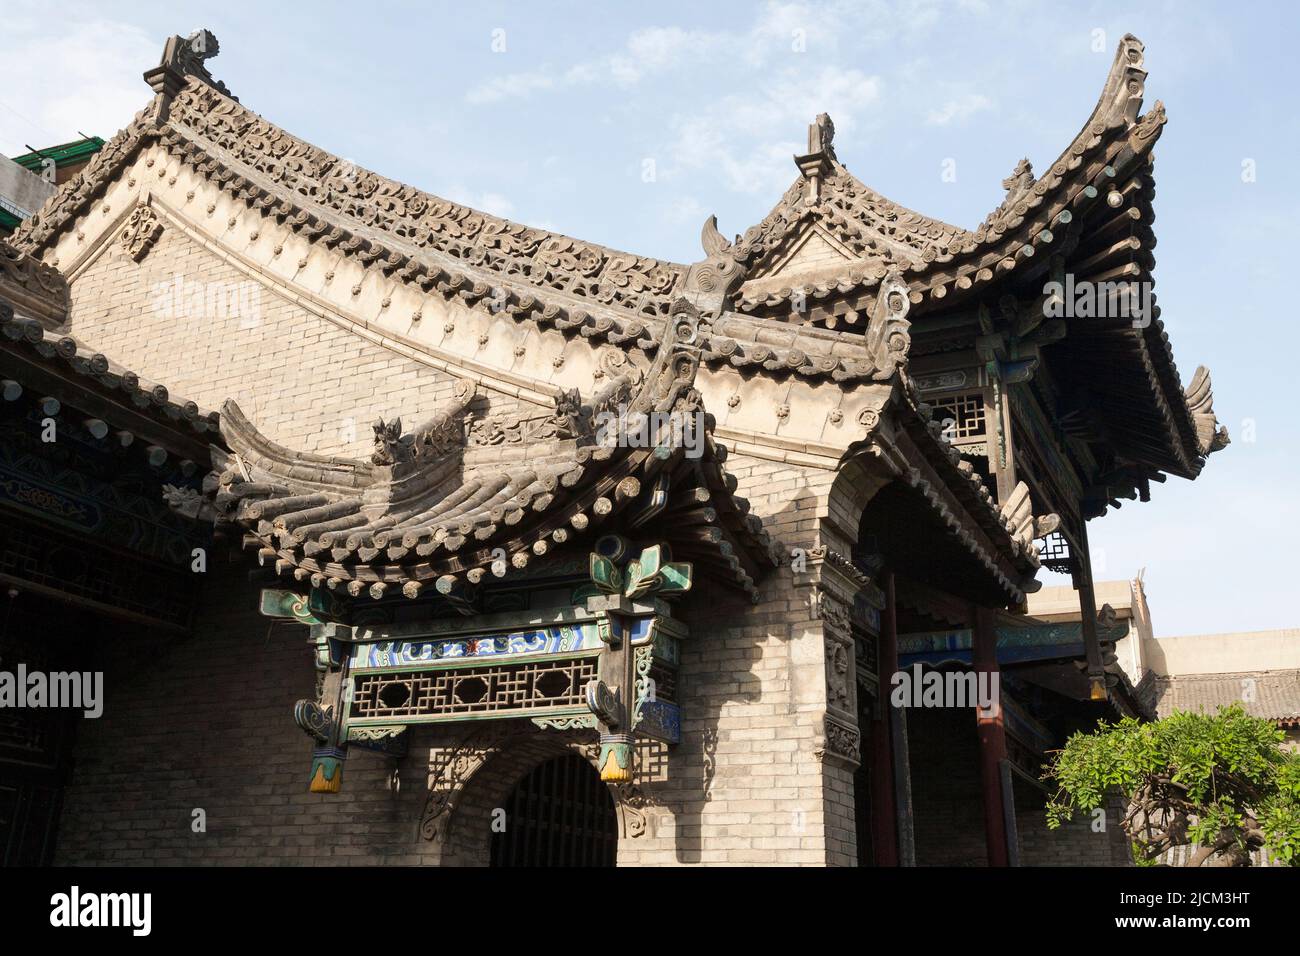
[
  {"x": 780, "y": 30},
  {"x": 959, "y": 109},
  {"x": 85, "y": 77},
  {"x": 510, "y": 86},
  {"x": 749, "y": 139},
  {"x": 646, "y": 52},
  {"x": 494, "y": 204},
  {"x": 684, "y": 209}
]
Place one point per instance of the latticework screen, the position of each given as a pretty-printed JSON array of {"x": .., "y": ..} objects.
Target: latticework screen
[{"x": 497, "y": 689}]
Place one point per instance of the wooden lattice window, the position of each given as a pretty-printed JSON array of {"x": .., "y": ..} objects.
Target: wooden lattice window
[
  {"x": 962, "y": 415},
  {"x": 1054, "y": 553},
  {"x": 501, "y": 688}
]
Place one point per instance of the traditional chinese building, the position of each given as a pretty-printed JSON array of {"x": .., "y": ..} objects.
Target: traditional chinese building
[{"x": 624, "y": 565}]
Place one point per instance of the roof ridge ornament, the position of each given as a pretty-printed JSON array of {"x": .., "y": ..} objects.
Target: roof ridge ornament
[
  {"x": 711, "y": 282},
  {"x": 1018, "y": 186},
  {"x": 1121, "y": 99},
  {"x": 1210, "y": 435},
  {"x": 669, "y": 383},
  {"x": 1020, "y": 181},
  {"x": 818, "y": 162},
  {"x": 185, "y": 57},
  {"x": 1023, "y": 525},
  {"x": 888, "y": 339}
]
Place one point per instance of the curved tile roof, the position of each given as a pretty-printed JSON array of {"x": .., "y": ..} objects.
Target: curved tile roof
[
  {"x": 937, "y": 259},
  {"x": 28, "y": 341},
  {"x": 604, "y": 295},
  {"x": 1275, "y": 694},
  {"x": 436, "y": 508}
]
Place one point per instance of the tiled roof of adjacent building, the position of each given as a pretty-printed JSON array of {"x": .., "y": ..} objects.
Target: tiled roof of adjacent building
[{"x": 1274, "y": 695}]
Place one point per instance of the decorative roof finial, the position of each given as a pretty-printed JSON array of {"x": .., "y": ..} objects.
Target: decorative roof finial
[
  {"x": 182, "y": 58},
  {"x": 821, "y": 134},
  {"x": 816, "y": 165},
  {"x": 1020, "y": 181}
]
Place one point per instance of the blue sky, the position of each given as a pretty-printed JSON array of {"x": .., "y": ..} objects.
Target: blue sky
[{"x": 552, "y": 113}]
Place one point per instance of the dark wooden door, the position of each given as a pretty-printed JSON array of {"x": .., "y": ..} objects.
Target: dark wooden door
[
  {"x": 35, "y": 743},
  {"x": 559, "y": 814}
]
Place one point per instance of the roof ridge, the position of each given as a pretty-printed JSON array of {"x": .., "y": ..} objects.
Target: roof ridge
[
  {"x": 1117, "y": 106},
  {"x": 420, "y": 514},
  {"x": 844, "y": 193},
  {"x": 481, "y": 240}
]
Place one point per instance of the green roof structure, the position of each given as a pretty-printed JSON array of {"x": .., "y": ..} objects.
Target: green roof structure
[{"x": 63, "y": 155}]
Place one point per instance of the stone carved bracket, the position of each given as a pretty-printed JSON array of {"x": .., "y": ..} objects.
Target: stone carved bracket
[
  {"x": 632, "y": 802},
  {"x": 841, "y": 742},
  {"x": 1022, "y": 523},
  {"x": 453, "y": 771}
]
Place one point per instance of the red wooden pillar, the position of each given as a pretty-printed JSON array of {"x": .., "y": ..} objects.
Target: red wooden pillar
[
  {"x": 884, "y": 808},
  {"x": 992, "y": 738}
]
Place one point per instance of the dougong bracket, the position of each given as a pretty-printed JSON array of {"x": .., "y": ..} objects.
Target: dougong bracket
[{"x": 619, "y": 698}]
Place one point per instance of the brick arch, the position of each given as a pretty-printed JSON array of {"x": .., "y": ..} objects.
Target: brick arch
[
  {"x": 863, "y": 473},
  {"x": 856, "y": 483},
  {"x": 468, "y": 837}
]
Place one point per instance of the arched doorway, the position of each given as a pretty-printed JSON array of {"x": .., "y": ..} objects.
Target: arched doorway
[{"x": 558, "y": 814}]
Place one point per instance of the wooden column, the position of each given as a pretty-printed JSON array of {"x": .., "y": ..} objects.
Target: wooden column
[
  {"x": 1081, "y": 572},
  {"x": 884, "y": 808},
  {"x": 992, "y": 738}
]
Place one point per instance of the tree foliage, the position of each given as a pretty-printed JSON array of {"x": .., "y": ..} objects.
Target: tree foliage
[{"x": 1220, "y": 782}]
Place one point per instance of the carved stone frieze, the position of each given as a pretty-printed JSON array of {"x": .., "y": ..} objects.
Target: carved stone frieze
[
  {"x": 142, "y": 230},
  {"x": 841, "y": 742},
  {"x": 566, "y": 422},
  {"x": 605, "y": 276},
  {"x": 453, "y": 769},
  {"x": 189, "y": 502},
  {"x": 632, "y": 802},
  {"x": 842, "y": 593},
  {"x": 839, "y": 675},
  {"x": 834, "y": 614}
]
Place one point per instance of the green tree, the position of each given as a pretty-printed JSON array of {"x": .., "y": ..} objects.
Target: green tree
[{"x": 1220, "y": 782}]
